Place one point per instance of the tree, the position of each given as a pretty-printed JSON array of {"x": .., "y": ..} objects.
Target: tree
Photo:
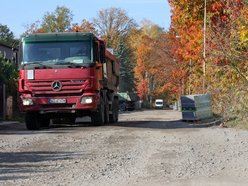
[
  {"x": 87, "y": 26},
  {"x": 115, "y": 27},
  {"x": 112, "y": 24},
  {"x": 8, "y": 75},
  {"x": 141, "y": 69},
  {"x": 57, "y": 21},
  {"x": 169, "y": 73},
  {"x": 226, "y": 62},
  {"x": 228, "y": 59},
  {"x": 7, "y": 36},
  {"x": 227, "y": 35},
  {"x": 33, "y": 28},
  {"x": 124, "y": 54},
  {"x": 150, "y": 29},
  {"x": 8, "y": 69},
  {"x": 148, "y": 61}
]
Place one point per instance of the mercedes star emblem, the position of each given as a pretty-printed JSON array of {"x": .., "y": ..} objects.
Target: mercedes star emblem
[{"x": 56, "y": 85}]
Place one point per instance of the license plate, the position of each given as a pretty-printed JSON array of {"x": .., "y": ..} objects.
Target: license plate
[{"x": 57, "y": 101}]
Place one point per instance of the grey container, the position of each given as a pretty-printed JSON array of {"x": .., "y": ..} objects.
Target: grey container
[{"x": 196, "y": 107}]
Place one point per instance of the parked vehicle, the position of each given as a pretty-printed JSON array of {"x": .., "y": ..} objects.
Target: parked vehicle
[
  {"x": 127, "y": 101},
  {"x": 159, "y": 104},
  {"x": 67, "y": 75}
]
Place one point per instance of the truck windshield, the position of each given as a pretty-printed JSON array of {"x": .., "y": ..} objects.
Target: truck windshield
[{"x": 54, "y": 54}]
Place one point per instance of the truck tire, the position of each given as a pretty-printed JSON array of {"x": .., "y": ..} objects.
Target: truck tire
[
  {"x": 106, "y": 113},
  {"x": 113, "y": 118},
  {"x": 97, "y": 118},
  {"x": 44, "y": 121},
  {"x": 32, "y": 121},
  {"x": 116, "y": 110},
  {"x": 57, "y": 121},
  {"x": 72, "y": 120}
]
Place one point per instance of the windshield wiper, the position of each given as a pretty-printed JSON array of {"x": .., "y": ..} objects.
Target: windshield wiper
[
  {"x": 71, "y": 64},
  {"x": 35, "y": 64}
]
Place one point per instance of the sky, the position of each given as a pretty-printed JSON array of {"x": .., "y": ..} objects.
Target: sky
[{"x": 18, "y": 13}]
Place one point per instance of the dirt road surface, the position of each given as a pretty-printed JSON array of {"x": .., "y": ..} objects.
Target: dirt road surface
[{"x": 144, "y": 148}]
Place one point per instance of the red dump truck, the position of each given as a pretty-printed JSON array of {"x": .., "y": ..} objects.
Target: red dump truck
[{"x": 67, "y": 75}]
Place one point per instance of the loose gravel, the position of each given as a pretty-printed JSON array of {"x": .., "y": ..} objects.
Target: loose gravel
[{"x": 144, "y": 148}]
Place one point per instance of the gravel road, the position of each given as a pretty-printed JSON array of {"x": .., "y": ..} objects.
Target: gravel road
[{"x": 145, "y": 148}]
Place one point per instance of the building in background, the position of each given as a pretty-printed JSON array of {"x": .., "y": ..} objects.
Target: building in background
[{"x": 7, "y": 51}]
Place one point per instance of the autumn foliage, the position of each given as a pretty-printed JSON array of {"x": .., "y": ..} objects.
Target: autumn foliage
[
  {"x": 226, "y": 52},
  {"x": 171, "y": 64}
]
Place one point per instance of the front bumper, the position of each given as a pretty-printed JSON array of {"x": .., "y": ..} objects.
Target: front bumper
[{"x": 68, "y": 103}]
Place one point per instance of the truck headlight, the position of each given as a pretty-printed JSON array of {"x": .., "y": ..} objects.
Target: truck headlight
[
  {"x": 87, "y": 100},
  {"x": 27, "y": 101}
]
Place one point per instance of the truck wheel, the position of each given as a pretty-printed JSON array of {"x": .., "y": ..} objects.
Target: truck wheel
[
  {"x": 57, "y": 121},
  {"x": 72, "y": 120},
  {"x": 113, "y": 118},
  {"x": 97, "y": 118},
  {"x": 32, "y": 121},
  {"x": 116, "y": 112},
  {"x": 106, "y": 113},
  {"x": 44, "y": 122}
]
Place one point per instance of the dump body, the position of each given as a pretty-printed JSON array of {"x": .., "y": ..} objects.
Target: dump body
[{"x": 67, "y": 75}]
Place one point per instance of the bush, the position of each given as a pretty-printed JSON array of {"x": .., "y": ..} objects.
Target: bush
[{"x": 146, "y": 105}]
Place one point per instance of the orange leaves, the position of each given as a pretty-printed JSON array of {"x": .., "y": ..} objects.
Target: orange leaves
[
  {"x": 226, "y": 50},
  {"x": 216, "y": 7},
  {"x": 221, "y": 62},
  {"x": 141, "y": 69},
  {"x": 142, "y": 54},
  {"x": 40, "y": 30},
  {"x": 187, "y": 34},
  {"x": 143, "y": 89},
  {"x": 146, "y": 64},
  {"x": 87, "y": 26},
  {"x": 223, "y": 11},
  {"x": 157, "y": 72}
]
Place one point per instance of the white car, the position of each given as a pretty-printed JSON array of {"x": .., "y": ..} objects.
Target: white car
[{"x": 159, "y": 104}]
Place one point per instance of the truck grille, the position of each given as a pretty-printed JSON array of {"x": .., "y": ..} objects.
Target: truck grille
[{"x": 69, "y": 87}]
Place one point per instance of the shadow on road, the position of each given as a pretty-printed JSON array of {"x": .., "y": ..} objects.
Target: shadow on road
[
  {"x": 25, "y": 163},
  {"x": 20, "y": 129}
]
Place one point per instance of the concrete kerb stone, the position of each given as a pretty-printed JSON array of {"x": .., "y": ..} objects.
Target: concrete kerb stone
[
  {"x": 207, "y": 123},
  {"x": 8, "y": 122}
]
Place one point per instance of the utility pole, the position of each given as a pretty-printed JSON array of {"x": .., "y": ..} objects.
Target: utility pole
[
  {"x": 190, "y": 72},
  {"x": 204, "y": 48}
]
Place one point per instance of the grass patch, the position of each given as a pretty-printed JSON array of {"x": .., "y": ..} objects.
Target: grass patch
[{"x": 238, "y": 123}]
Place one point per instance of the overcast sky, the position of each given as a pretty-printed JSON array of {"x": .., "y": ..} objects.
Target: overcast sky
[{"x": 17, "y": 13}]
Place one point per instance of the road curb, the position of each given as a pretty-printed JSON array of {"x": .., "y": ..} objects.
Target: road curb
[
  {"x": 9, "y": 122},
  {"x": 200, "y": 124}
]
